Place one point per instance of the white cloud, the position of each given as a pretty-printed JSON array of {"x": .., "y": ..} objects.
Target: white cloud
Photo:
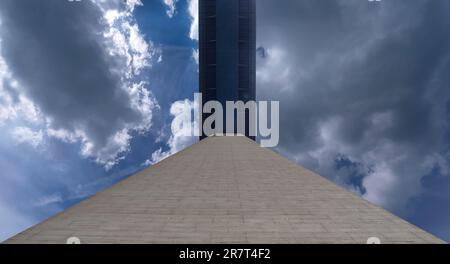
[
  {"x": 193, "y": 13},
  {"x": 193, "y": 33},
  {"x": 49, "y": 199},
  {"x": 132, "y": 4},
  {"x": 177, "y": 141},
  {"x": 20, "y": 107},
  {"x": 26, "y": 135},
  {"x": 157, "y": 156},
  {"x": 127, "y": 40},
  {"x": 195, "y": 55},
  {"x": 275, "y": 70},
  {"x": 171, "y": 7}
]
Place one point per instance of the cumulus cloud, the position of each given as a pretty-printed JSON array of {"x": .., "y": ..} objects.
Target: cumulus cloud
[
  {"x": 193, "y": 33},
  {"x": 179, "y": 129},
  {"x": 193, "y": 13},
  {"x": 74, "y": 68},
  {"x": 13, "y": 104},
  {"x": 171, "y": 7},
  {"x": 195, "y": 55},
  {"x": 26, "y": 135},
  {"x": 363, "y": 90}
]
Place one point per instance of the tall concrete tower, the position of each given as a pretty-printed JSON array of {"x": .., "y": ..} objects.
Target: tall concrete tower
[{"x": 227, "y": 45}]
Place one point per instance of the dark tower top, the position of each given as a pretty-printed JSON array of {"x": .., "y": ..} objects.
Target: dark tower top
[{"x": 227, "y": 36}]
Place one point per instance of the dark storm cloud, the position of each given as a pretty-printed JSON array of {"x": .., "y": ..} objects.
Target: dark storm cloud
[
  {"x": 363, "y": 80},
  {"x": 57, "y": 52}
]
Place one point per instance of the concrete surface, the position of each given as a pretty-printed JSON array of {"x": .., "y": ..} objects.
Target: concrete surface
[{"x": 225, "y": 190}]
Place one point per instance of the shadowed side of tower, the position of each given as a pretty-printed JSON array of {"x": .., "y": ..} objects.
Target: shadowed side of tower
[
  {"x": 225, "y": 190},
  {"x": 227, "y": 52}
]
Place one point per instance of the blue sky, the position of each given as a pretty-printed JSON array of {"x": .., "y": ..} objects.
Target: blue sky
[{"x": 86, "y": 91}]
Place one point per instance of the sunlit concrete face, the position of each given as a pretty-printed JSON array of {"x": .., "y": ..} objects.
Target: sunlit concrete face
[
  {"x": 225, "y": 190},
  {"x": 227, "y": 46}
]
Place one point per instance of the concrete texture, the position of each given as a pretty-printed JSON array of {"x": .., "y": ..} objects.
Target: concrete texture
[{"x": 225, "y": 190}]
